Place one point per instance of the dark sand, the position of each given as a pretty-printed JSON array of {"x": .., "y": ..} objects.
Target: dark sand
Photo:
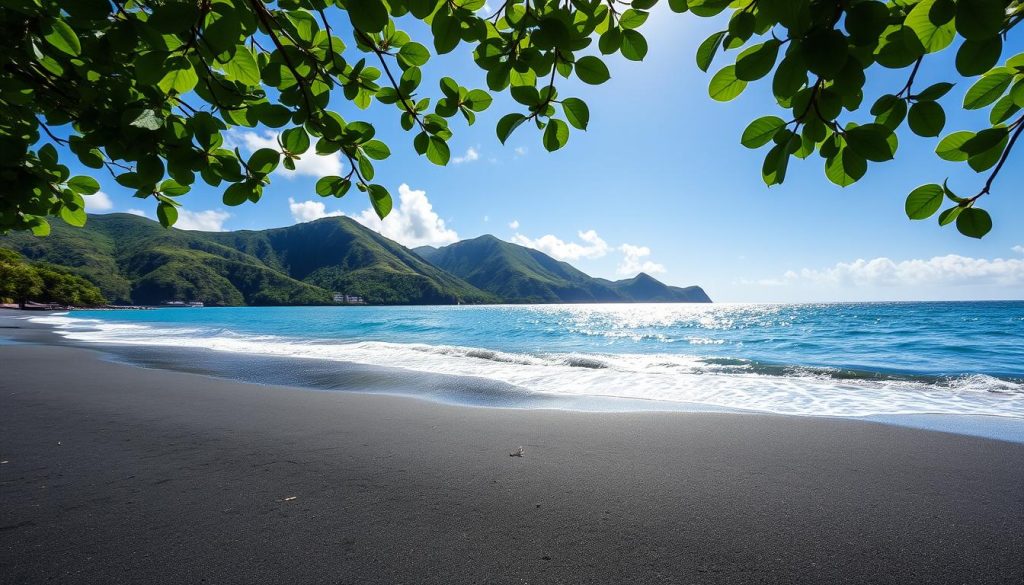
[{"x": 118, "y": 474}]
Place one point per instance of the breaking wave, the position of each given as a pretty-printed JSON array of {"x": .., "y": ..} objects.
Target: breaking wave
[{"x": 682, "y": 379}]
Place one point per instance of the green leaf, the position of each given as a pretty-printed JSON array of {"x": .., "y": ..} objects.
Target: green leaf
[
  {"x": 870, "y": 141},
  {"x": 327, "y": 185},
  {"x": 167, "y": 214},
  {"x": 180, "y": 77},
  {"x": 934, "y": 92},
  {"x": 987, "y": 157},
  {"x": 576, "y": 112},
  {"x": 84, "y": 184},
  {"x": 413, "y": 55},
  {"x": 592, "y": 70},
  {"x": 934, "y": 37},
  {"x": 949, "y": 147},
  {"x": 507, "y": 124},
  {"x": 632, "y": 18},
  {"x": 755, "y": 62},
  {"x": 633, "y": 45},
  {"x": 846, "y": 168},
  {"x": 988, "y": 89},
  {"x": 556, "y": 135},
  {"x": 242, "y": 67},
  {"x": 365, "y": 167},
  {"x": 973, "y": 222},
  {"x": 450, "y": 88},
  {"x": 369, "y": 16},
  {"x": 75, "y": 217},
  {"x": 1017, "y": 93},
  {"x": 924, "y": 201},
  {"x": 894, "y": 116},
  {"x": 238, "y": 193},
  {"x": 61, "y": 37},
  {"x": 40, "y": 227},
  {"x": 295, "y": 140},
  {"x": 725, "y": 86},
  {"x": 790, "y": 77},
  {"x": 1003, "y": 109},
  {"x": 264, "y": 161},
  {"x": 984, "y": 140},
  {"x": 976, "y": 57},
  {"x": 977, "y": 20},
  {"x": 707, "y": 49},
  {"x": 825, "y": 52},
  {"x": 478, "y": 100},
  {"x": 950, "y": 194},
  {"x": 438, "y": 151},
  {"x": 446, "y": 31},
  {"x": 147, "y": 120},
  {"x": 761, "y": 131},
  {"x": 172, "y": 188},
  {"x": 610, "y": 41},
  {"x": 380, "y": 199},
  {"x": 949, "y": 215},
  {"x": 899, "y": 48},
  {"x": 742, "y": 24},
  {"x": 926, "y": 119},
  {"x": 773, "y": 170},
  {"x": 865, "y": 21},
  {"x": 376, "y": 149}
]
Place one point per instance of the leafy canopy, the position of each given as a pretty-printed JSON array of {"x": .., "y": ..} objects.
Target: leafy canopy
[{"x": 146, "y": 89}]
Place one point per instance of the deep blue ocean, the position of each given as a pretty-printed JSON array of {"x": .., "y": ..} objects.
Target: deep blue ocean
[{"x": 844, "y": 359}]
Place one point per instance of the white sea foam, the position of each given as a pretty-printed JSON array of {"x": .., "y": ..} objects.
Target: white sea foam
[{"x": 680, "y": 379}]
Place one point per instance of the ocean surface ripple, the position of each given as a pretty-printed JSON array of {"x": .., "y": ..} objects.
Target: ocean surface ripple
[{"x": 848, "y": 359}]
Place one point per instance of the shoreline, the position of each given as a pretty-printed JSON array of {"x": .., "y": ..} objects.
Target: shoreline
[
  {"x": 115, "y": 473},
  {"x": 319, "y": 374}
]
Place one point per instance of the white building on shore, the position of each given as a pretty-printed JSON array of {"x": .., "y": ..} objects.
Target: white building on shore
[{"x": 348, "y": 299}]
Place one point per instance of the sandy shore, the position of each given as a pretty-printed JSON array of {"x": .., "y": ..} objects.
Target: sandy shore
[{"x": 119, "y": 474}]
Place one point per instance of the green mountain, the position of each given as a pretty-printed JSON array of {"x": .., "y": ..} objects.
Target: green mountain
[
  {"x": 523, "y": 275},
  {"x": 135, "y": 260},
  {"x": 645, "y": 288}
]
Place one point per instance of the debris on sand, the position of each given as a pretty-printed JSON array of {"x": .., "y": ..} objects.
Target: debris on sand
[{"x": 517, "y": 453}]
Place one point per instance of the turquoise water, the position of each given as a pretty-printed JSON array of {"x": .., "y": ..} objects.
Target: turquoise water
[{"x": 815, "y": 359}]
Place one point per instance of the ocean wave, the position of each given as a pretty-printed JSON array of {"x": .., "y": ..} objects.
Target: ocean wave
[{"x": 727, "y": 383}]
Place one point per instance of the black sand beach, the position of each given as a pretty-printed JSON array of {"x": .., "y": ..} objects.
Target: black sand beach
[{"x": 118, "y": 474}]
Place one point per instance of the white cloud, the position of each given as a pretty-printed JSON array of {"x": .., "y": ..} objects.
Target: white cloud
[
  {"x": 303, "y": 211},
  {"x": 413, "y": 222},
  {"x": 98, "y": 201},
  {"x": 634, "y": 261},
  {"x": 138, "y": 212},
  {"x": 520, "y": 151},
  {"x": 1018, "y": 249},
  {"x": 471, "y": 155},
  {"x": 514, "y": 224},
  {"x": 592, "y": 245},
  {"x": 949, "y": 270},
  {"x": 210, "y": 220},
  {"x": 309, "y": 164}
]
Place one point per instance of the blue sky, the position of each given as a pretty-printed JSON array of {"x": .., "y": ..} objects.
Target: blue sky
[{"x": 660, "y": 183}]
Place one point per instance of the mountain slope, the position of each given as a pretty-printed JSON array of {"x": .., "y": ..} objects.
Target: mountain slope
[
  {"x": 524, "y": 275},
  {"x": 341, "y": 254},
  {"x": 645, "y": 288},
  {"x": 518, "y": 274},
  {"x": 133, "y": 259}
]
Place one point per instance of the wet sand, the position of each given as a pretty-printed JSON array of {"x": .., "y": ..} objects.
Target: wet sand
[{"x": 119, "y": 474}]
